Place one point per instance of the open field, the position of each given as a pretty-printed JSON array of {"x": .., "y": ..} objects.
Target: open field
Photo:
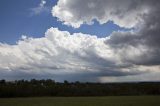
[{"x": 83, "y": 101}]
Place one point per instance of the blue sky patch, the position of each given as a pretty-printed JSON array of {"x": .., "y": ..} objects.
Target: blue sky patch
[{"x": 17, "y": 20}]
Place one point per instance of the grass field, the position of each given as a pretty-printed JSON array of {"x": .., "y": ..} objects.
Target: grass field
[{"x": 83, "y": 101}]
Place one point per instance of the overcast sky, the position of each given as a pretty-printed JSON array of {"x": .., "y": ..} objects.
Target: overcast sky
[{"x": 89, "y": 40}]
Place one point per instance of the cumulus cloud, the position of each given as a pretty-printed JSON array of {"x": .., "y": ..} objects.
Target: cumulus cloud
[
  {"x": 60, "y": 53},
  {"x": 40, "y": 8},
  {"x": 125, "y": 13},
  {"x": 144, "y": 42},
  {"x": 139, "y": 47},
  {"x": 120, "y": 56},
  {"x": 72, "y": 56}
]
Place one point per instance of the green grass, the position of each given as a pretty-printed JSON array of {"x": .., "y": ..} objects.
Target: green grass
[{"x": 83, "y": 101}]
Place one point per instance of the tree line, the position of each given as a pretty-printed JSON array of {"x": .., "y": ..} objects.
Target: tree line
[{"x": 32, "y": 88}]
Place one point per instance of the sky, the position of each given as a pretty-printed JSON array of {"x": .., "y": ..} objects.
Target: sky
[
  {"x": 75, "y": 40},
  {"x": 27, "y": 17}
]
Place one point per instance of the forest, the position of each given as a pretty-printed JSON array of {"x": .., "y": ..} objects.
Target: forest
[{"x": 48, "y": 87}]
